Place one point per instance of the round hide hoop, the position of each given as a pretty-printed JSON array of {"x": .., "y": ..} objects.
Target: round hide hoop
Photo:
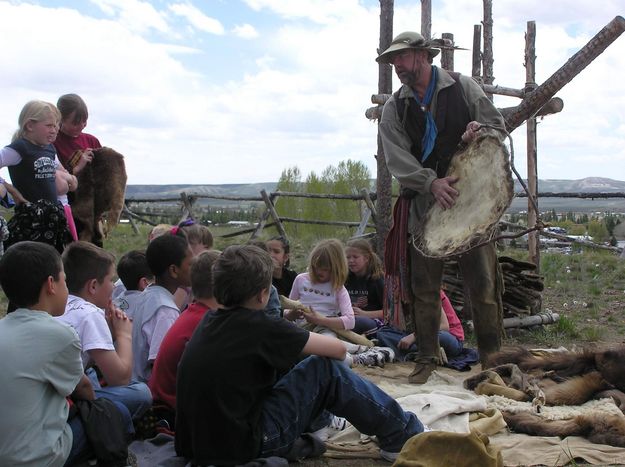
[{"x": 485, "y": 191}]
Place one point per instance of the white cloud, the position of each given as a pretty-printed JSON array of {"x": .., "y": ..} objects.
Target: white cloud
[
  {"x": 307, "y": 85},
  {"x": 245, "y": 31},
  {"x": 197, "y": 19},
  {"x": 318, "y": 11},
  {"x": 135, "y": 15}
]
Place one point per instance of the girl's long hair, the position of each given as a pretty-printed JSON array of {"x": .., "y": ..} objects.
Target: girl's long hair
[
  {"x": 35, "y": 111},
  {"x": 329, "y": 254},
  {"x": 375, "y": 269}
]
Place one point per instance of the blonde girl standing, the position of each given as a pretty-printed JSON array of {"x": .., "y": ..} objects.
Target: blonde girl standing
[{"x": 32, "y": 163}]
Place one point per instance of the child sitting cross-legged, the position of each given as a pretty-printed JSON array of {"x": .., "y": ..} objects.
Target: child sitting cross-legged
[
  {"x": 330, "y": 307},
  {"x": 134, "y": 272},
  {"x": 163, "y": 380},
  {"x": 231, "y": 407},
  {"x": 105, "y": 332},
  {"x": 169, "y": 258}
]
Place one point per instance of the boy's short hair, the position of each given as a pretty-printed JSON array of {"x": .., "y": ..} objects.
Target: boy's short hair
[
  {"x": 241, "y": 272},
  {"x": 83, "y": 261},
  {"x": 164, "y": 251},
  {"x": 25, "y": 268},
  {"x": 132, "y": 267},
  {"x": 202, "y": 274}
]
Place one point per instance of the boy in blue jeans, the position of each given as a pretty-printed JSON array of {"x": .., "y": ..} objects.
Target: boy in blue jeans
[
  {"x": 231, "y": 406},
  {"x": 105, "y": 332}
]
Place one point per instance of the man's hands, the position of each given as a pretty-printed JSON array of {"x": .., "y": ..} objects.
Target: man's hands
[{"x": 443, "y": 191}]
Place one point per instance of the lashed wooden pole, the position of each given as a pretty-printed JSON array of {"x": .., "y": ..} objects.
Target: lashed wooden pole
[
  {"x": 533, "y": 239},
  {"x": 487, "y": 57},
  {"x": 426, "y": 18},
  {"x": 385, "y": 86},
  {"x": 574, "y": 65}
]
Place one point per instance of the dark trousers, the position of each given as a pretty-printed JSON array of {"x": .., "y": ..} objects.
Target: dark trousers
[{"x": 482, "y": 277}]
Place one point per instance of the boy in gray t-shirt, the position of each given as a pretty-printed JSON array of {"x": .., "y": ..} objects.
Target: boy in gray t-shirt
[{"x": 41, "y": 363}]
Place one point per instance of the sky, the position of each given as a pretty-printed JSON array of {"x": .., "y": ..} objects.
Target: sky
[{"x": 236, "y": 91}]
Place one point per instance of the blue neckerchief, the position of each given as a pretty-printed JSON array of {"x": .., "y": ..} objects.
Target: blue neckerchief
[{"x": 429, "y": 137}]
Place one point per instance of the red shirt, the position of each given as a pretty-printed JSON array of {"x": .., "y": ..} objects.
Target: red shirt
[
  {"x": 66, "y": 145},
  {"x": 162, "y": 383}
]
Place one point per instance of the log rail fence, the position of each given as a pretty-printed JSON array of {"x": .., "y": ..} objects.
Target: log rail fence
[{"x": 271, "y": 218}]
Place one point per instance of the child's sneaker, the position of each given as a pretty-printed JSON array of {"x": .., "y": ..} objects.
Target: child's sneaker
[
  {"x": 336, "y": 424},
  {"x": 376, "y": 356}
]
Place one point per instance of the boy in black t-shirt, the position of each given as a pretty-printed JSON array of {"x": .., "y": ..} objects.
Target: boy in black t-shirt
[{"x": 231, "y": 406}]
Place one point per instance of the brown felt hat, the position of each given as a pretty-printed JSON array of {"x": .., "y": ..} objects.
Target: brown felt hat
[{"x": 406, "y": 40}]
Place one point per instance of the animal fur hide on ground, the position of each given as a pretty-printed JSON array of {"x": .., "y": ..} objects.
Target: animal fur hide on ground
[
  {"x": 101, "y": 191},
  {"x": 558, "y": 378}
]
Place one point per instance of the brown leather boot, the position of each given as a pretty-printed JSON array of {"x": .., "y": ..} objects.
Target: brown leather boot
[{"x": 422, "y": 371}]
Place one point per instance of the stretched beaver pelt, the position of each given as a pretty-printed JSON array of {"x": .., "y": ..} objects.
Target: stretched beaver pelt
[
  {"x": 563, "y": 365},
  {"x": 101, "y": 190},
  {"x": 600, "y": 429}
]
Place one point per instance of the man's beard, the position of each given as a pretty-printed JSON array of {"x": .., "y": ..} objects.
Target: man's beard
[{"x": 408, "y": 78}]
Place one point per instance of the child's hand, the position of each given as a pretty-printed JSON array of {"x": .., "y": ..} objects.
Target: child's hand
[
  {"x": 406, "y": 341},
  {"x": 312, "y": 316},
  {"x": 118, "y": 321},
  {"x": 85, "y": 158},
  {"x": 293, "y": 314},
  {"x": 358, "y": 311}
]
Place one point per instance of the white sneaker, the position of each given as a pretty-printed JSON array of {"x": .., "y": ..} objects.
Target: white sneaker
[{"x": 336, "y": 425}]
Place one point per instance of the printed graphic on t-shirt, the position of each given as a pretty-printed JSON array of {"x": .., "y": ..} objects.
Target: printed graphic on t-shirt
[{"x": 44, "y": 168}]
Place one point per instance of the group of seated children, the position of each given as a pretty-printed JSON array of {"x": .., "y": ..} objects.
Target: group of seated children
[{"x": 226, "y": 374}]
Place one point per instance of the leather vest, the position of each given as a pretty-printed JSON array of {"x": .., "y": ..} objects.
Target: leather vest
[{"x": 452, "y": 117}]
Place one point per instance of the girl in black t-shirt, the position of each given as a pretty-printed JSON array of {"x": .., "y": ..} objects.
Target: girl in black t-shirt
[
  {"x": 283, "y": 277},
  {"x": 365, "y": 285}
]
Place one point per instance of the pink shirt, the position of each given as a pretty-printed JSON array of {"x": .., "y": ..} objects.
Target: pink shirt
[
  {"x": 455, "y": 326},
  {"x": 323, "y": 299}
]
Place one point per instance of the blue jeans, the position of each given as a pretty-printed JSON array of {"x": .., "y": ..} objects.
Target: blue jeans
[
  {"x": 364, "y": 324},
  {"x": 319, "y": 383},
  {"x": 136, "y": 396},
  {"x": 389, "y": 336},
  {"x": 80, "y": 444}
]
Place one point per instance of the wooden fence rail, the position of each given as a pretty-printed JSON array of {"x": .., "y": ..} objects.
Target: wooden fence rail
[{"x": 186, "y": 201}]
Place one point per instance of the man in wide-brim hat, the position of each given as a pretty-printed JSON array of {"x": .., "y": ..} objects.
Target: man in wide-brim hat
[{"x": 421, "y": 127}]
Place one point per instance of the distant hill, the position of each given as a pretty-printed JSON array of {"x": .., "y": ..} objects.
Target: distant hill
[{"x": 585, "y": 185}]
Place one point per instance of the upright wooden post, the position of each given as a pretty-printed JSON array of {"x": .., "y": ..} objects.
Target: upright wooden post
[
  {"x": 487, "y": 57},
  {"x": 426, "y": 18},
  {"x": 447, "y": 55},
  {"x": 533, "y": 239},
  {"x": 385, "y": 86},
  {"x": 476, "y": 70}
]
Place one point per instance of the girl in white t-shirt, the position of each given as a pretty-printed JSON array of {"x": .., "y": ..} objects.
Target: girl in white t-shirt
[{"x": 322, "y": 289}]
